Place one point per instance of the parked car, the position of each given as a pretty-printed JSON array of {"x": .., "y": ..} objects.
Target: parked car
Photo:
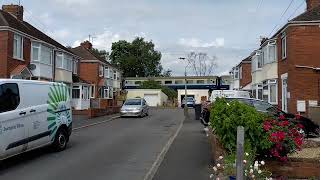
[
  {"x": 33, "y": 114},
  {"x": 190, "y": 102},
  {"x": 310, "y": 128},
  {"x": 135, "y": 107}
]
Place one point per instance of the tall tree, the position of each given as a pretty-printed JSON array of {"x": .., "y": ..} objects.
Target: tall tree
[
  {"x": 136, "y": 58},
  {"x": 103, "y": 54},
  {"x": 202, "y": 64}
]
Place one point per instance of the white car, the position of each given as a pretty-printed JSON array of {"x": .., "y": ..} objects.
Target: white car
[{"x": 33, "y": 114}]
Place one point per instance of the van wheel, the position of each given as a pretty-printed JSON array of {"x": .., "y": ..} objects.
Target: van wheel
[{"x": 60, "y": 141}]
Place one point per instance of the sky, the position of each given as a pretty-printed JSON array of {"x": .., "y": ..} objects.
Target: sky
[{"x": 227, "y": 29}]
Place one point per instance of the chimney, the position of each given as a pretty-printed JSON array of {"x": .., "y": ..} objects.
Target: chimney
[
  {"x": 87, "y": 45},
  {"x": 311, "y": 4},
  {"x": 15, "y": 10}
]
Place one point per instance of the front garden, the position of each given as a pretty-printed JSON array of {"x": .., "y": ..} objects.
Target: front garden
[{"x": 272, "y": 146}]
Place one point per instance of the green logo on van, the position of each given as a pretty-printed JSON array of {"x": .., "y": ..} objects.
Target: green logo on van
[{"x": 58, "y": 112}]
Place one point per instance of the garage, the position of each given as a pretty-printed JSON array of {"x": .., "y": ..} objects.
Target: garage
[{"x": 152, "y": 99}]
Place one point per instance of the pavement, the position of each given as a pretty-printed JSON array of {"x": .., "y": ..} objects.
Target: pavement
[
  {"x": 188, "y": 156},
  {"x": 121, "y": 149}
]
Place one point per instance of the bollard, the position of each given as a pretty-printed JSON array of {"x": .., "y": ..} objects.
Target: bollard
[{"x": 240, "y": 152}]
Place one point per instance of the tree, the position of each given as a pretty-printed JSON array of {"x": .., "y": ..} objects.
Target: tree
[
  {"x": 201, "y": 63},
  {"x": 103, "y": 54},
  {"x": 166, "y": 73},
  {"x": 136, "y": 58},
  {"x": 172, "y": 94}
]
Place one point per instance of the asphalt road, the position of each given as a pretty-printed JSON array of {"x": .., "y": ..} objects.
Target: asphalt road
[{"x": 117, "y": 150}]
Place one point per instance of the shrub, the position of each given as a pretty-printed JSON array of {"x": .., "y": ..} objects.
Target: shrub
[
  {"x": 226, "y": 117},
  {"x": 284, "y": 135},
  {"x": 172, "y": 94}
]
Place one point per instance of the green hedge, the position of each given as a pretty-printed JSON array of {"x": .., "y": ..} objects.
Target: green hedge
[{"x": 226, "y": 117}]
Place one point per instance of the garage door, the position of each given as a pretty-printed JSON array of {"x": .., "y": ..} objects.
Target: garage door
[{"x": 152, "y": 99}]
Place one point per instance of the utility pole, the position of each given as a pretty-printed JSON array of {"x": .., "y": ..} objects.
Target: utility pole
[{"x": 185, "y": 88}]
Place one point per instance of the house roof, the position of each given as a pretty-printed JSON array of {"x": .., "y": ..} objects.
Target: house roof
[
  {"x": 8, "y": 20},
  {"x": 18, "y": 69},
  {"x": 311, "y": 15},
  {"x": 88, "y": 55}
]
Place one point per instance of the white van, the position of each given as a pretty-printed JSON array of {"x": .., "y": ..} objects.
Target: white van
[
  {"x": 33, "y": 114},
  {"x": 229, "y": 94}
]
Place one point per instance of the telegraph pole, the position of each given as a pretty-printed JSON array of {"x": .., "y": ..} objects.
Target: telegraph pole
[{"x": 185, "y": 88}]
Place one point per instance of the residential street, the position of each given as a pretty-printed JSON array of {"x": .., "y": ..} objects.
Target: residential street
[{"x": 118, "y": 150}]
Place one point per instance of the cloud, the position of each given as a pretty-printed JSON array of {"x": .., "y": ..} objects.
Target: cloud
[{"x": 195, "y": 42}]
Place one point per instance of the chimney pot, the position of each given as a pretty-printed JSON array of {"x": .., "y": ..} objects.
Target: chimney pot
[
  {"x": 311, "y": 4},
  {"x": 15, "y": 10},
  {"x": 87, "y": 45}
]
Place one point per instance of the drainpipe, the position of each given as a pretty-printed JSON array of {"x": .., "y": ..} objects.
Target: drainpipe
[{"x": 54, "y": 66}]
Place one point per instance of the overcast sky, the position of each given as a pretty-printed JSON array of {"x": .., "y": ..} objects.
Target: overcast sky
[{"x": 228, "y": 29}]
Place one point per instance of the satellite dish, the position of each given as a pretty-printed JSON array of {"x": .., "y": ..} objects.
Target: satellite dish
[{"x": 32, "y": 67}]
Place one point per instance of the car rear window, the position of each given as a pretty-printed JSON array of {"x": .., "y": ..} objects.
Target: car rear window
[{"x": 133, "y": 102}]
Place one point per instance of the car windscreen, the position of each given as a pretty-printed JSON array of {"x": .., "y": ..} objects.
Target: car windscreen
[
  {"x": 133, "y": 102},
  {"x": 264, "y": 106}
]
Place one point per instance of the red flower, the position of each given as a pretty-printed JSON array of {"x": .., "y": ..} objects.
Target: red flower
[
  {"x": 298, "y": 116},
  {"x": 282, "y": 117},
  {"x": 284, "y": 159},
  {"x": 300, "y": 126},
  {"x": 298, "y": 141},
  {"x": 284, "y": 123},
  {"x": 267, "y": 126}
]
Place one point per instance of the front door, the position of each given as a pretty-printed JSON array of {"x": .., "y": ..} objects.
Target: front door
[
  {"x": 13, "y": 135},
  {"x": 285, "y": 95}
]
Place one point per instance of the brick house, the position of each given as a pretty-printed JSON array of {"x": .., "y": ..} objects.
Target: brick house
[
  {"x": 28, "y": 53},
  {"x": 298, "y": 57},
  {"x": 241, "y": 75},
  {"x": 104, "y": 79}
]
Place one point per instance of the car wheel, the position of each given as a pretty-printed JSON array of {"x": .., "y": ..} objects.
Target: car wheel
[{"x": 60, "y": 141}]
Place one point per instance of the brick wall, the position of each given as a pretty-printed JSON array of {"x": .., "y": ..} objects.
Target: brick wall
[
  {"x": 303, "y": 45},
  {"x": 3, "y": 54},
  {"x": 8, "y": 63},
  {"x": 246, "y": 74},
  {"x": 90, "y": 73}
]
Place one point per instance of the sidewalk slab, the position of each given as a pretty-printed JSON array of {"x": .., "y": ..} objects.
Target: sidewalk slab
[{"x": 189, "y": 156}]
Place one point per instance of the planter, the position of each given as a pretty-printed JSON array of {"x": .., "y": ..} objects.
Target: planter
[{"x": 295, "y": 168}]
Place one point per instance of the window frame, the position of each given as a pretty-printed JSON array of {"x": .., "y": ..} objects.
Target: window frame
[
  {"x": 101, "y": 70},
  {"x": 15, "y": 56},
  {"x": 284, "y": 48}
]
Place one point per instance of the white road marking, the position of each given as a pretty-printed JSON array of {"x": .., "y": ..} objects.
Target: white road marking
[
  {"x": 93, "y": 124},
  {"x": 155, "y": 166}
]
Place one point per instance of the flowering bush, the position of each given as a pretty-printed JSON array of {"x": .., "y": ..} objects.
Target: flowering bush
[
  {"x": 252, "y": 169},
  {"x": 284, "y": 135}
]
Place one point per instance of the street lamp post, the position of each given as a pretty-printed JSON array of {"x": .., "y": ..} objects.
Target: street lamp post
[{"x": 185, "y": 87}]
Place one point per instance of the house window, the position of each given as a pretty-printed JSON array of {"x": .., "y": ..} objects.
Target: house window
[
  {"x": 270, "y": 91},
  {"x": 85, "y": 93},
  {"x": 76, "y": 92},
  {"x": 41, "y": 53},
  {"x": 260, "y": 61},
  {"x": 101, "y": 69},
  {"x": 64, "y": 61},
  {"x": 75, "y": 66},
  {"x": 115, "y": 75},
  {"x": 106, "y": 72},
  {"x": 284, "y": 46},
  {"x": 18, "y": 47},
  {"x": 236, "y": 73},
  {"x": 9, "y": 97},
  {"x": 257, "y": 91},
  {"x": 272, "y": 52},
  {"x": 240, "y": 72},
  {"x": 59, "y": 59},
  {"x": 92, "y": 91}
]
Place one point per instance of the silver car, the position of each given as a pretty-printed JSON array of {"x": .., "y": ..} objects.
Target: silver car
[{"x": 136, "y": 107}]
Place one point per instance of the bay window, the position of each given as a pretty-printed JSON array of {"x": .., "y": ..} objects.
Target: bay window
[
  {"x": 76, "y": 92},
  {"x": 18, "y": 47},
  {"x": 101, "y": 69},
  {"x": 256, "y": 63},
  {"x": 236, "y": 73},
  {"x": 269, "y": 53},
  {"x": 64, "y": 61},
  {"x": 41, "y": 53},
  {"x": 270, "y": 91},
  {"x": 75, "y": 67},
  {"x": 257, "y": 91}
]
